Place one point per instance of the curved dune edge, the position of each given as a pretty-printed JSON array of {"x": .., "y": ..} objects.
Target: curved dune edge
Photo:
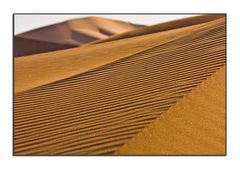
[
  {"x": 40, "y": 69},
  {"x": 61, "y": 33},
  {"x": 68, "y": 34},
  {"x": 194, "y": 126},
  {"x": 166, "y": 26}
]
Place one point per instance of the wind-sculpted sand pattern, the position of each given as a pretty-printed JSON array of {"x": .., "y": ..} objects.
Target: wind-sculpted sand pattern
[
  {"x": 195, "y": 125},
  {"x": 99, "y": 111}
]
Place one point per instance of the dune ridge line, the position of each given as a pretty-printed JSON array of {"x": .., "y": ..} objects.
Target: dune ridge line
[{"x": 191, "y": 126}]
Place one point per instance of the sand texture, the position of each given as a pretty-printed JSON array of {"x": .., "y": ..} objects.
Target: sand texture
[
  {"x": 195, "y": 125},
  {"x": 153, "y": 93}
]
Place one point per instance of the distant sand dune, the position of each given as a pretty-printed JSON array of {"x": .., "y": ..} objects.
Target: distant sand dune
[
  {"x": 69, "y": 34},
  {"x": 32, "y": 46},
  {"x": 102, "y": 108}
]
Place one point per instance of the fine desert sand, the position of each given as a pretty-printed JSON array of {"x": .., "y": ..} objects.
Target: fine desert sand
[{"x": 135, "y": 90}]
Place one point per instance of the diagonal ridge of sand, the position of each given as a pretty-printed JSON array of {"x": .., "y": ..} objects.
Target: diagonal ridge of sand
[{"x": 194, "y": 125}]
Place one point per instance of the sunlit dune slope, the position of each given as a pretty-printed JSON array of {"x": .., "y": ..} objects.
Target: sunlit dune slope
[
  {"x": 69, "y": 33},
  {"x": 99, "y": 110},
  {"x": 164, "y": 27},
  {"x": 36, "y": 70},
  {"x": 195, "y": 125}
]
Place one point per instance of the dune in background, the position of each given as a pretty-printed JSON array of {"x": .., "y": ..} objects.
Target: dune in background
[
  {"x": 68, "y": 34},
  {"x": 127, "y": 95},
  {"x": 25, "y": 46}
]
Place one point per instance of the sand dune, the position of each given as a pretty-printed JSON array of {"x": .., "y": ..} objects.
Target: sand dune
[
  {"x": 69, "y": 34},
  {"x": 36, "y": 70},
  {"x": 99, "y": 109}
]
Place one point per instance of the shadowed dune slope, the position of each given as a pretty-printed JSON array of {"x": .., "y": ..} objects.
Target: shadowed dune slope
[
  {"x": 163, "y": 27},
  {"x": 36, "y": 70},
  {"x": 195, "y": 125},
  {"x": 98, "y": 111},
  {"x": 23, "y": 46},
  {"x": 69, "y": 34}
]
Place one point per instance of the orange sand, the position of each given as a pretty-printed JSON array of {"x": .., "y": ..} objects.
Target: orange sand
[
  {"x": 36, "y": 70},
  {"x": 134, "y": 95},
  {"x": 195, "y": 125},
  {"x": 163, "y": 27}
]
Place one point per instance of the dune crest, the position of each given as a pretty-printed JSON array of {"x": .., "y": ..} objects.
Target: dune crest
[
  {"x": 72, "y": 33},
  {"x": 166, "y": 26}
]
